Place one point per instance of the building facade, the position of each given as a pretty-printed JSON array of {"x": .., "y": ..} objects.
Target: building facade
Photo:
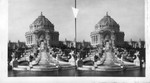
[
  {"x": 137, "y": 44},
  {"x": 16, "y": 45},
  {"x": 42, "y": 30},
  {"x": 79, "y": 44},
  {"x": 107, "y": 29}
]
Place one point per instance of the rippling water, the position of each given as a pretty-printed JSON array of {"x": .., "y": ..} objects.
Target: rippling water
[{"x": 73, "y": 72}]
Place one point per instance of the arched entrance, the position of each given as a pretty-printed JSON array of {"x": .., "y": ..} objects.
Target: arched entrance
[{"x": 107, "y": 37}]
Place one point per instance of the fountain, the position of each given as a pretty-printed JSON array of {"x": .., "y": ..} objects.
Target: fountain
[
  {"x": 44, "y": 61},
  {"x": 110, "y": 62}
]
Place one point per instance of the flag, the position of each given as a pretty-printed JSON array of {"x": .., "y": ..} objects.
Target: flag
[{"x": 75, "y": 11}]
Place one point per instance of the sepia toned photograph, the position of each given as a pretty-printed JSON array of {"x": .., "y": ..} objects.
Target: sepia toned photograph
[{"x": 76, "y": 38}]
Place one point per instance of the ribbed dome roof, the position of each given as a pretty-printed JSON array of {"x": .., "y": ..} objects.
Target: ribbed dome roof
[
  {"x": 107, "y": 23},
  {"x": 42, "y": 20},
  {"x": 107, "y": 20},
  {"x": 42, "y": 23}
]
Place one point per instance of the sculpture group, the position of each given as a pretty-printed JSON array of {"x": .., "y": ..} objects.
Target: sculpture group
[{"x": 47, "y": 57}]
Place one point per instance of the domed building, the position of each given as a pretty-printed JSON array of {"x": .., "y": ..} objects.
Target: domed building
[
  {"x": 107, "y": 29},
  {"x": 42, "y": 30}
]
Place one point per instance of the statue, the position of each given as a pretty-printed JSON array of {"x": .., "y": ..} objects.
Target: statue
[
  {"x": 44, "y": 58},
  {"x": 108, "y": 58}
]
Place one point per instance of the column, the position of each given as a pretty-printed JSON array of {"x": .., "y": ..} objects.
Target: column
[
  {"x": 36, "y": 39},
  {"x": 92, "y": 39},
  {"x": 96, "y": 39},
  {"x": 27, "y": 39},
  {"x": 31, "y": 39}
]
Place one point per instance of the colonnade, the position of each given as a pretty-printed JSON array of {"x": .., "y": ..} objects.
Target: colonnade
[
  {"x": 29, "y": 39},
  {"x": 94, "y": 39}
]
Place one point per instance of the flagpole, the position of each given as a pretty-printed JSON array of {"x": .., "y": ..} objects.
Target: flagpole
[
  {"x": 75, "y": 36},
  {"x": 75, "y": 31},
  {"x": 75, "y": 12},
  {"x": 75, "y": 3}
]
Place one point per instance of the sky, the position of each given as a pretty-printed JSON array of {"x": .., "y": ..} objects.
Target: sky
[{"x": 129, "y": 14}]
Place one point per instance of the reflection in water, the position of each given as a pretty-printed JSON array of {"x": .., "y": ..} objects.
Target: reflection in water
[{"x": 73, "y": 72}]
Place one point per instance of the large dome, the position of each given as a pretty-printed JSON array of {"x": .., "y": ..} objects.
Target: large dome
[
  {"x": 107, "y": 23},
  {"x": 42, "y": 22}
]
